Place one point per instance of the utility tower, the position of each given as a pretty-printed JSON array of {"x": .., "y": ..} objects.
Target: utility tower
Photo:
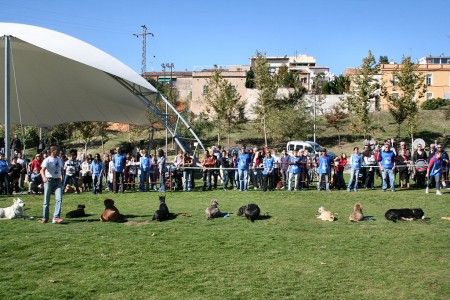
[{"x": 144, "y": 47}]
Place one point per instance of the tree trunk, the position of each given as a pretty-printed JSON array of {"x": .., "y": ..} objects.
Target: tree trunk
[{"x": 265, "y": 132}]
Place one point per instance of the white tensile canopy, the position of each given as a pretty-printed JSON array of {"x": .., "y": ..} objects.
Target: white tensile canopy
[{"x": 56, "y": 78}]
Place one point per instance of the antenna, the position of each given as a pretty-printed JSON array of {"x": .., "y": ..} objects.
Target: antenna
[{"x": 144, "y": 47}]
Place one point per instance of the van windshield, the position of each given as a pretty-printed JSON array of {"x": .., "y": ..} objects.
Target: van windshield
[{"x": 316, "y": 147}]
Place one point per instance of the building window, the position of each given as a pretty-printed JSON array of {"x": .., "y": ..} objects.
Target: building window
[
  {"x": 429, "y": 96},
  {"x": 446, "y": 96},
  {"x": 205, "y": 90},
  {"x": 429, "y": 79},
  {"x": 394, "y": 80}
]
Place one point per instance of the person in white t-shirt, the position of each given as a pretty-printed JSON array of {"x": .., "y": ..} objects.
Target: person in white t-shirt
[{"x": 51, "y": 172}]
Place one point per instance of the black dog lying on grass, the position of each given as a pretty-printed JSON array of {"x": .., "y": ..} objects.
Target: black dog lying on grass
[
  {"x": 251, "y": 211},
  {"x": 406, "y": 214},
  {"x": 163, "y": 212},
  {"x": 77, "y": 213}
]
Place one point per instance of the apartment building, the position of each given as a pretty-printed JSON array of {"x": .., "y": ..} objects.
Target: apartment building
[
  {"x": 436, "y": 70},
  {"x": 192, "y": 86},
  {"x": 302, "y": 64}
]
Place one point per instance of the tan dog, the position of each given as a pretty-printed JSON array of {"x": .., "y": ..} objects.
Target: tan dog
[
  {"x": 212, "y": 211},
  {"x": 357, "y": 214},
  {"x": 111, "y": 213},
  {"x": 324, "y": 214}
]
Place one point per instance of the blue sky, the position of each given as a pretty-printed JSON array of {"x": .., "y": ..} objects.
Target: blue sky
[{"x": 203, "y": 33}]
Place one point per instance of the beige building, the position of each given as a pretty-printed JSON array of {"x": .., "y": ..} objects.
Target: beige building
[
  {"x": 436, "y": 71},
  {"x": 235, "y": 75},
  {"x": 192, "y": 86}
]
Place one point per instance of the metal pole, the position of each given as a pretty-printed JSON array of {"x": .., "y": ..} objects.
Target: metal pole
[
  {"x": 7, "y": 100},
  {"x": 166, "y": 129},
  {"x": 314, "y": 117}
]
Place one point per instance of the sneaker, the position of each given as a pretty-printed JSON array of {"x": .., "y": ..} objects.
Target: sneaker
[
  {"x": 426, "y": 191},
  {"x": 438, "y": 193},
  {"x": 348, "y": 190},
  {"x": 57, "y": 220},
  {"x": 44, "y": 221},
  {"x": 392, "y": 190}
]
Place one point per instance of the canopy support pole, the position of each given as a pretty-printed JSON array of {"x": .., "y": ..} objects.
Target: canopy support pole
[{"x": 7, "y": 100}]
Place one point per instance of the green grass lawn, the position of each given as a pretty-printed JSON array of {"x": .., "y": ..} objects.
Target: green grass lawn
[{"x": 289, "y": 255}]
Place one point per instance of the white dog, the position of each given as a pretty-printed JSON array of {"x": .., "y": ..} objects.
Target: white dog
[
  {"x": 325, "y": 215},
  {"x": 15, "y": 211}
]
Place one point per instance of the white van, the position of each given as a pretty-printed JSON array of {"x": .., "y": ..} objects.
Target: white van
[{"x": 313, "y": 148}]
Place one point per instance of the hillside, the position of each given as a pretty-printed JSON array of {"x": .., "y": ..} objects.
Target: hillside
[{"x": 432, "y": 126}]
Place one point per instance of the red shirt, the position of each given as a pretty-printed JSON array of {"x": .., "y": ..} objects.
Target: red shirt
[{"x": 35, "y": 164}]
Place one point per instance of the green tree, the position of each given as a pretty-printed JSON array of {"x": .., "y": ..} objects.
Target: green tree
[
  {"x": 86, "y": 131},
  {"x": 383, "y": 60},
  {"x": 267, "y": 87},
  {"x": 340, "y": 85},
  {"x": 405, "y": 95},
  {"x": 336, "y": 119},
  {"x": 225, "y": 103},
  {"x": 250, "y": 79},
  {"x": 362, "y": 96}
]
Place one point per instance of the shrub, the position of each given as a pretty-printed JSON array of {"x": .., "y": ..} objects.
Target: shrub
[{"x": 435, "y": 103}]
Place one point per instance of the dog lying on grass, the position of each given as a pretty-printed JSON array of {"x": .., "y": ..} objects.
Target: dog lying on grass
[
  {"x": 14, "y": 211},
  {"x": 324, "y": 214},
  {"x": 251, "y": 211},
  {"x": 77, "y": 213},
  {"x": 111, "y": 213},
  {"x": 163, "y": 212},
  {"x": 213, "y": 211},
  {"x": 405, "y": 214},
  {"x": 357, "y": 214}
]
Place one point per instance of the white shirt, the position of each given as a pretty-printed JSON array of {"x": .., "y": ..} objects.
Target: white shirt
[{"x": 53, "y": 167}]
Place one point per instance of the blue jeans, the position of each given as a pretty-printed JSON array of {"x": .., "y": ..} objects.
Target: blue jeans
[
  {"x": 143, "y": 181},
  {"x": 187, "y": 178},
  {"x": 97, "y": 184},
  {"x": 295, "y": 177},
  {"x": 243, "y": 175},
  {"x": 385, "y": 174},
  {"x": 162, "y": 182},
  {"x": 70, "y": 178},
  {"x": 354, "y": 175},
  {"x": 437, "y": 181},
  {"x": 323, "y": 182},
  {"x": 50, "y": 186}
]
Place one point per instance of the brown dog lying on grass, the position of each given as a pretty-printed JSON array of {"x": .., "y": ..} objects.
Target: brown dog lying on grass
[
  {"x": 111, "y": 213},
  {"x": 357, "y": 214}
]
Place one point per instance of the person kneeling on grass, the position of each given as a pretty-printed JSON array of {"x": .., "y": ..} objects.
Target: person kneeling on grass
[{"x": 434, "y": 172}]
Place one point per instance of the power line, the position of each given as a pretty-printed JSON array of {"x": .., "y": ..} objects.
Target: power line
[{"x": 144, "y": 47}]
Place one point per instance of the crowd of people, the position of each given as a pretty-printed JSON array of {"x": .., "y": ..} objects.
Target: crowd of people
[{"x": 239, "y": 169}]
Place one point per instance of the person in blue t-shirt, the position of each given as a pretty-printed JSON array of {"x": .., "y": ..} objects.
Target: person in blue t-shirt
[
  {"x": 387, "y": 166},
  {"x": 4, "y": 177},
  {"x": 243, "y": 164},
  {"x": 97, "y": 174},
  {"x": 144, "y": 167},
  {"x": 355, "y": 166},
  {"x": 434, "y": 171},
  {"x": 268, "y": 173},
  {"x": 294, "y": 171},
  {"x": 323, "y": 171},
  {"x": 119, "y": 165}
]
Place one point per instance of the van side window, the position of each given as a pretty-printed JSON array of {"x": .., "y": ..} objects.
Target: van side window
[
  {"x": 291, "y": 147},
  {"x": 310, "y": 149}
]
